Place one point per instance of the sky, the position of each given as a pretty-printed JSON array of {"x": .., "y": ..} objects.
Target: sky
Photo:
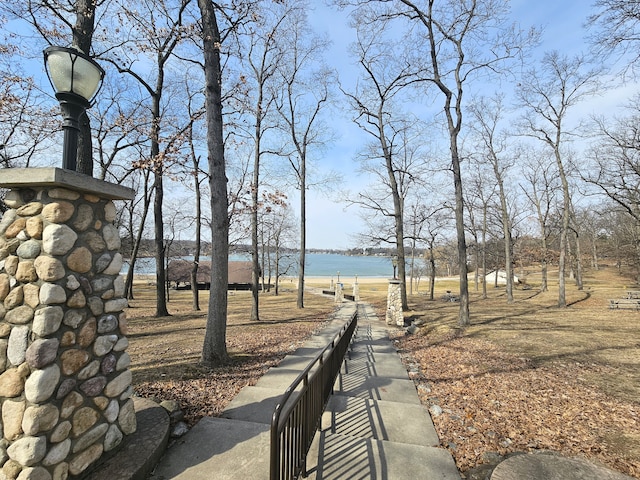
[{"x": 330, "y": 223}]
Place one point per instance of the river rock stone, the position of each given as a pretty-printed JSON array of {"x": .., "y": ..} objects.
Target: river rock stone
[
  {"x": 28, "y": 451},
  {"x": 4, "y": 344},
  {"x": 17, "y": 348},
  {"x": 14, "y": 298},
  {"x": 100, "y": 284},
  {"x": 83, "y": 419},
  {"x": 127, "y": 418},
  {"x": 112, "y": 411},
  {"x": 42, "y": 352},
  {"x": 110, "y": 212},
  {"x": 87, "y": 333},
  {"x": 127, "y": 394},
  {"x": 121, "y": 345},
  {"x": 101, "y": 402},
  {"x": 4, "y": 286},
  {"x": 31, "y": 295},
  {"x": 26, "y": 272},
  {"x": 30, "y": 209},
  {"x": 51, "y": 293},
  {"x": 40, "y": 418},
  {"x": 12, "y": 413},
  {"x": 77, "y": 300},
  {"x": 115, "y": 266},
  {"x": 74, "y": 317},
  {"x": 20, "y": 315},
  {"x": 104, "y": 344},
  {"x": 108, "y": 364},
  {"x": 61, "y": 432},
  {"x": 72, "y": 282},
  {"x": 118, "y": 385},
  {"x": 49, "y": 269},
  {"x": 107, "y": 323},
  {"x": 84, "y": 217},
  {"x": 89, "y": 371},
  {"x": 61, "y": 472},
  {"x": 11, "y": 469},
  {"x": 96, "y": 244},
  {"x": 122, "y": 323},
  {"x": 11, "y": 264},
  {"x": 47, "y": 320},
  {"x": 58, "y": 212},
  {"x": 111, "y": 237},
  {"x": 11, "y": 383},
  {"x": 95, "y": 305},
  {"x": 57, "y": 453},
  {"x": 15, "y": 228},
  {"x": 65, "y": 387},
  {"x": 5, "y": 329},
  {"x": 113, "y": 438},
  {"x": 10, "y": 215},
  {"x": 34, "y": 473},
  {"x": 70, "y": 403},
  {"x": 73, "y": 360},
  {"x": 29, "y": 249},
  {"x": 115, "y": 305},
  {"x": 80, "y": 260},
  {"x": 94, "y": 386},
  {"x": 68, "y": 339},
  {"x": 91, "y": 437},
  {"x": 63, "y": 194},
  {"x": 81, "y": 462},
  {"x": 103, "y": 262},
  {"x": 41, "y": 384},
  {"x": 34, "y": 227},
  {"x": 58, "y": 239}
]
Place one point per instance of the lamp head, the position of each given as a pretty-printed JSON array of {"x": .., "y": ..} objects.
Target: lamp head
[{"x": 73, "y": 75}]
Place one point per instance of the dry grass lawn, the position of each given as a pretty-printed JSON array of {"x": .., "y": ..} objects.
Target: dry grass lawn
[{"x": 523, "y": 377}]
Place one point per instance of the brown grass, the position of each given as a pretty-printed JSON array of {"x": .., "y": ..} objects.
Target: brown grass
[{"x": 523, "y": 377}]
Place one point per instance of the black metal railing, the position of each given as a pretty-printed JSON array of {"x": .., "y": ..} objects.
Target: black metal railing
[{"x": 298, "y": 414}]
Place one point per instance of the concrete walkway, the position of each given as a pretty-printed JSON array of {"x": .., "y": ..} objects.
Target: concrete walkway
[{"x": 374, "y": 426}]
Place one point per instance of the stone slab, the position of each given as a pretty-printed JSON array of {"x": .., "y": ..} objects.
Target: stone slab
[
  {"x": 377, "y": 388},
  {"x": 295, "y": 362},
  {"x": 363, "y": 458},
  {"x": 544, "y": 466},
  {"x": 58, "y": 177},
  {"x": 218, "y": 448},
  {"x": 375, "y": 364},
  {"x": 253, "y": 404},
  {"x": 380, "y": 420}
]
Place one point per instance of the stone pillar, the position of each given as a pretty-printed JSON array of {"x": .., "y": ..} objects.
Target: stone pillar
[
  {"x": 65, "y": 385},
  {"x": 339, "y": 293},
  {"x": 356, "y": 291},
  {"x": 394, "y": 304}
]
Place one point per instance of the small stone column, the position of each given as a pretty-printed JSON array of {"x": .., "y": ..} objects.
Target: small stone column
[
  {"x": 356, "y": 290},
  {"x": 339, "y": 293},
  {"x": 394, "y": 304},
  {"x": 65, "y": 385}
]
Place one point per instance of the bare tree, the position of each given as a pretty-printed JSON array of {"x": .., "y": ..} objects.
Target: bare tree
[
  {"x": 547, "y": 93},
  {"x": 214, "y": 349},
  {"x": 488, "y": 114},
  {"x": 304, "y": 95}
]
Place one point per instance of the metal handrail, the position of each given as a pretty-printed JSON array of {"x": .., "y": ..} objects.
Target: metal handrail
[{"x": 294, "y": 423}]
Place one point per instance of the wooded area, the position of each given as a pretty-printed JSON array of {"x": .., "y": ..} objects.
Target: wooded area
[{"x": 470, "y": 137}]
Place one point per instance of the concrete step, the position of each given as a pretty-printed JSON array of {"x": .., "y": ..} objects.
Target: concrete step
[
  {"x": 345, "y": 457},
  {"x": 220, "y": 449}
]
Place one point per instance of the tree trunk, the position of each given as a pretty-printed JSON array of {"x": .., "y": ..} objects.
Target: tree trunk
[
  {"x": 303, "y": 231},
  {"x": 214, "y": 349},
  {"x": 195, "y": 304}
]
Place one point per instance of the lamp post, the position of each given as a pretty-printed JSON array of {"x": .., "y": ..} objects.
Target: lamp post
[
  {"x": 394, "y": 263},
  {"x": 76, "y": 79}
]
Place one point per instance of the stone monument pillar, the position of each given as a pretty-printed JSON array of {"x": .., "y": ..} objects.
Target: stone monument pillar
[
  {"x": 394, "y": 304},
  {"x": 65, "y": 385},
  {"x": 356, "y": 291},
  {"x": 339, "y": 293}
]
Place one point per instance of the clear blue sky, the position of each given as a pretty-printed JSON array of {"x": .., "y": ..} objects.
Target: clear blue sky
[{"x": 561, "y": 21}]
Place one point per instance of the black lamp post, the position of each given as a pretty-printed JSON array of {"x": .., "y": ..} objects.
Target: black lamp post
[
  {"x": 394, "y": 262},
  {"x": 76, "y": 79}
]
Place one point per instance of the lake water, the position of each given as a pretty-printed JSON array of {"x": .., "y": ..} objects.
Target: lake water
[{"x": 316, "y": 265}]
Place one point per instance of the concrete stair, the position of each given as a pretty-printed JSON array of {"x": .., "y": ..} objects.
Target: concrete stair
[{"x": 374, "y": 426}]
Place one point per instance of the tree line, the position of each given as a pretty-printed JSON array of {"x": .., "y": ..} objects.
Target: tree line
[{"x": 234, "y": 101}]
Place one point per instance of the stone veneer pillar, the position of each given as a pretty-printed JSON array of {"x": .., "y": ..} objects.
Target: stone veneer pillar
[
  {"x": 394, "y": 304},
  {"x": 65, "y": 385},
  {"x": 339, "y": 293}
]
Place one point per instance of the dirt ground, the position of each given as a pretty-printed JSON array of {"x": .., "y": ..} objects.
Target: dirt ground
[{"x": 523, "y": 377}]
